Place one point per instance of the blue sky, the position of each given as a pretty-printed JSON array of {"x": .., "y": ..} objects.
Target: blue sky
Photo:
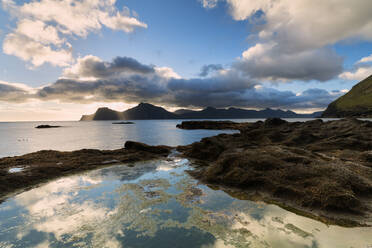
[{"x": 260, "y": 64}]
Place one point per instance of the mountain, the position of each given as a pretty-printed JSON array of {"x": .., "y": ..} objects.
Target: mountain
[
  {"x": 356, "y": 103},
  {"x": 146, "y": 111},
  {"x": 103, "y": 114}
]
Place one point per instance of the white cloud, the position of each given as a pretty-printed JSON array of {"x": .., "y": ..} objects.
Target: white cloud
[
  {"x": 309, "y": 23},
  {"x": 39, "y": 31},
  {"x": 209, "y": 3},
  {"x": 46, "y": 25},
  {"x": 38, "y": 53},
  {"x": 366, "y": 59},
  {"x": 358, "y": 74},
  {"x": 291, "y": 35},
  {"x": 166, "y": 72}
]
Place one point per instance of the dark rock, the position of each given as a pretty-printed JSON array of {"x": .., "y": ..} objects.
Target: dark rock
[
  {"x": 208, "y": 125},
  {"x": 123, "y": 123},
  {"x": 47, "y": 126},
  {"x": 132, "y": 145},
  {"x": 322, "y": 166},
  {"x": 274, "y": 122},
  {"x": 43, "y": 166}
]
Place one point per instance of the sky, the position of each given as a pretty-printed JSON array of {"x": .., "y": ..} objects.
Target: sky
[{"x": 60, "y": 59}]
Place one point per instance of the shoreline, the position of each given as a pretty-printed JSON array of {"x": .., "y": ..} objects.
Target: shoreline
[
  {"x": 40, "y": 167},
  {"x": 321, "y": 170}
]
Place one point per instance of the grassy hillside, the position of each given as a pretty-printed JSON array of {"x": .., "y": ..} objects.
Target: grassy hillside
[{"x": 357, "y": 102}]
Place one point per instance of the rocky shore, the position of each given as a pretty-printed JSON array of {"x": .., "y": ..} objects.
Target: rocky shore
[
  {"x": 322, "y": 168},
  {"x": 39, "y": 167}
]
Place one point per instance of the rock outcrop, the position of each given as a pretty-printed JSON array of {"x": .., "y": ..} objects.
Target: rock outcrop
[
  {"x": 324, "y": 167},
  {"x": 42, "y": 166}
]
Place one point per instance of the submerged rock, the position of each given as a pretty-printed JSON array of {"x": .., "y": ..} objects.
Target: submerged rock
[
  {"x": 123, "y": 123},
  {"x": 322, "y": 166}
]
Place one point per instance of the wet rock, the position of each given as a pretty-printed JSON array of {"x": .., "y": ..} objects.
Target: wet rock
[
  {"x": 132, "y": 145},
  {"x": 322, "y": 166},
  {"x": 45, "y": 165},
  {"x": 274, "y": 122}
]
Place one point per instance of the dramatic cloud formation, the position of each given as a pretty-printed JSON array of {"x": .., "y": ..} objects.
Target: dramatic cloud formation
[
  {"x": 44, "y": 26},
  {"x": 93, "y": 67},
  {"x": 127, "y": 80},
  {"x": 268, "y": 61},
  {"x": 293, "y": 37}
]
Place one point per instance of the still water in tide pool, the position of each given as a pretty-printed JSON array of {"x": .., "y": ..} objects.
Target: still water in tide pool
[{"x": 156, "y": 204}]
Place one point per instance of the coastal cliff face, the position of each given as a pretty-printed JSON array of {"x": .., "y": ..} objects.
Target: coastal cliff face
[{"x": 356, "y": 103}]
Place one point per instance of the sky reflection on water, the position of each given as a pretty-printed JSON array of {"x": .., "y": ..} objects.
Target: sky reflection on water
[{"x": 156, "y": 204}]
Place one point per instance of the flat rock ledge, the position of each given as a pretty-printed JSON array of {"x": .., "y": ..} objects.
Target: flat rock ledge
[
  {"x": 322, "y": 169},
  {"x": 42, "y": 166}
]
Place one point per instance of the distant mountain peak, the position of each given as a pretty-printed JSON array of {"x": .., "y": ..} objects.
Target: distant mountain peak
[{"x": 147, "y": 111}]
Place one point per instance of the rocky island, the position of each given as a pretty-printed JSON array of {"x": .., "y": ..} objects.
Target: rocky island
[
  {"x": 323, "y": 169},
  {"x": 46, "y": 126}
]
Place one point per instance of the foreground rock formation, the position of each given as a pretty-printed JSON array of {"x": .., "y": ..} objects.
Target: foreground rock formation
[
  {"x": 35, "y": 168},
  {"x": 324, "y": 168}
]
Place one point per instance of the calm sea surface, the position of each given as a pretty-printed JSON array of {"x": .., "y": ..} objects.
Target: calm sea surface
[
  {"x": 153, "y": 204},
  {"x": 18, "y": 138}
]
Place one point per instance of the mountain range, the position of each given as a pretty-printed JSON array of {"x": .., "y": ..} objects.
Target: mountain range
[
  {"x": 146, "y": 111},
  {"x": 356, "y": 103}
]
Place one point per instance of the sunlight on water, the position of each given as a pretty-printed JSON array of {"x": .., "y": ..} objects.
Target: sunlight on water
[
  {"x": 15, "y": 170},
  {"x": 18, "y": 138},
  {"x": 156, "y": 204}
]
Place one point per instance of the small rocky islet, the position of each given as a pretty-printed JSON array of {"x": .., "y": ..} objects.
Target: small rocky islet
[
  {"x": 323, "y": 169},
  {"x": 46, "y": 126}
]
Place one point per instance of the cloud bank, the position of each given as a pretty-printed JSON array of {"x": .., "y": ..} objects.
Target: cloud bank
[{"x": 127, "y": 80}]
